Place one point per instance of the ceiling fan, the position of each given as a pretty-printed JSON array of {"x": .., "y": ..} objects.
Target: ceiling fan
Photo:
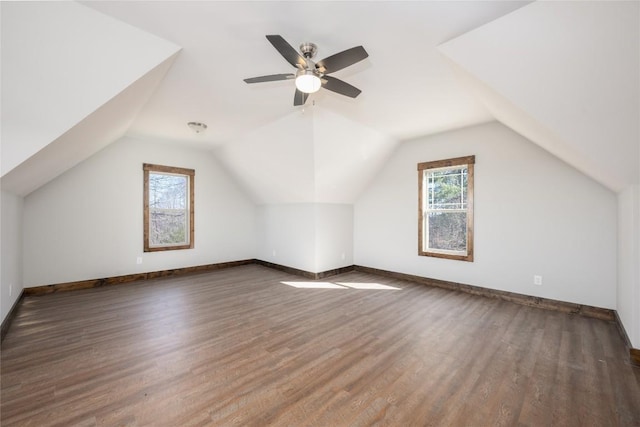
[{"x": 311, "y": 76}]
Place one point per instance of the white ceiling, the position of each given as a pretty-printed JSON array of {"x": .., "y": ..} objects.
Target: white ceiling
[
  {"x": 563, "y": 74},
  {"x": 407, "y": 88},
  {"x": 567, "y": 76},
  {"x": 65, "y": 94}
]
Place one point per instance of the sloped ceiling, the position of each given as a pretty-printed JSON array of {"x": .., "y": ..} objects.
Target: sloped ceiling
[
  {"x": 73, "y": 80},
  {"x": 311, "y": 155},
  {"x": 408, "y": 90},
  {"x": 567, "y": 76},
  {"x": 274, "y": 163},
  {"x": 363, "y": 150},
  {"x": 564, "y": 74},
  {"x": 328, "y": 150},
  {"x": 94, "y": 132}
]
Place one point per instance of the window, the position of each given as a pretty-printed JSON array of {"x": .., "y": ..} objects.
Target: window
[
  {"x": 168, "y": 208},
  {"x": 445, "y": 226}
]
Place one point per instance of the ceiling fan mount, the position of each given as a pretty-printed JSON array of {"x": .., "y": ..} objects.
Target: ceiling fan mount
[
  {"x": 308, "y": 50},
  {"x": 311, "y": 77}
]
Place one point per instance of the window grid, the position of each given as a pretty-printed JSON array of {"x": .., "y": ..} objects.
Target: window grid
[{"x": 431, "y": 176}]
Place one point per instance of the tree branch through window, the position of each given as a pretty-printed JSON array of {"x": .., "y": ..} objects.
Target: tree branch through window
[{"x": 168, "y": 208}]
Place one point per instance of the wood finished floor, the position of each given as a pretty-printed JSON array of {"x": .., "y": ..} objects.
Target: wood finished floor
[{"x": 238, "y": 347}]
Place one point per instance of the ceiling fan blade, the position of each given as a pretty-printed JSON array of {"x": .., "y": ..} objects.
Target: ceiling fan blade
[
  {"x": 270, "y": 78},
  {"x": 338, "y": 86},
  {"x": 342, "y": 60},
  {"x": 300, "y": 98},
  {"x": 287, "y": 51}
]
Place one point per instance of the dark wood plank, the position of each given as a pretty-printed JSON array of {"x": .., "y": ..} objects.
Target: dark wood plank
[
  {"x": 129, "y": 278},
  {"x": 467, "y": 160},
  {"x": 10, "y": 315},
  {"x": 539, "y": 302},
  {"x": 237, "y": 346}
]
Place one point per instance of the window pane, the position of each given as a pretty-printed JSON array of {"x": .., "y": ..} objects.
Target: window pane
[
  {"x": 448, "y": 231},
  {"x": 167, "y": 227},
  {"x": 167, "y": 191},
  {"x": 446, "y": 189},
  {"x": 167, "y": 209}
]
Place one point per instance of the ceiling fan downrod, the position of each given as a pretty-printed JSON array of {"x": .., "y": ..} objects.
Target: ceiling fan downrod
[{"x": 308, "y": 50}]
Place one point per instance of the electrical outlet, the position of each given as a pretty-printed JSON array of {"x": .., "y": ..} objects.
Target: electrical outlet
[
  {"x": 343, "y": 256},
  {"x": 139, "y": 260},
  {"x": 537, "y": 280},
  {"x": 274, "y": 253}
]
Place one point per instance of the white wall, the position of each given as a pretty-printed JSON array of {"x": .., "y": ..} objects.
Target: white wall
[
  {"x": 334, "y": 236},
  {"x": 534, "y": 215},
  {"x": 11, "y": 251},
  {"x": 628, "y": 290},
  {"x": 313, "y": 237},
  {"x": 87, "y": 223},
  {"x": 286, "y": 235}
]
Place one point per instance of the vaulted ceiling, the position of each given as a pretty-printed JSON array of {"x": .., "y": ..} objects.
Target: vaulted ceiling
[
  {"x": 77, "y": 76},
  {"x": 567, "y": 76}
]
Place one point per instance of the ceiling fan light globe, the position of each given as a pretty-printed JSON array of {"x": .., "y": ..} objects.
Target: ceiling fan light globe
[{"x": 308, "y": 82}]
